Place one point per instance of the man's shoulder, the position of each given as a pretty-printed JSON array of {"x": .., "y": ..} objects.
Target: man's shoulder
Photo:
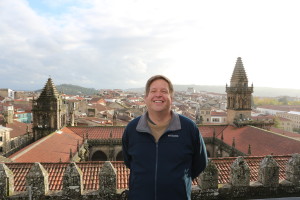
[
  {"x": 134, "y": 122},
  {"x": 184, "y": 119}
]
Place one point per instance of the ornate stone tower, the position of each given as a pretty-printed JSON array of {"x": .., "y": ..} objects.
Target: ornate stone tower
[
  {"x": 238, "y": 95},
  {"x": 49, "y": 111}
]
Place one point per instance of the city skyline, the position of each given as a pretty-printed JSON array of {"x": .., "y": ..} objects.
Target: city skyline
[{"x": 120, "y": 44}]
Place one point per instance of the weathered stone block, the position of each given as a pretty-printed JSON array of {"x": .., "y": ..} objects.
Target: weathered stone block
[
  {"x": 72, "y": 181},
  {"x": 293, "y": 170},
  {"x": 268, "y": 173},
  {"x": 208, "y": 179},
  {"x": 107, "y": 179},
  {"x": 6, "y": 181},
  {"x": 37, "y": 180},
  {"x": 240, "y": 173}
]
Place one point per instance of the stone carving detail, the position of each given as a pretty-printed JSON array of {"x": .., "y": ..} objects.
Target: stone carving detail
[
  {"x": 72, "y": 181},
  {"x": 37, "y": 181},
  {"x": 6, "y": 181}
]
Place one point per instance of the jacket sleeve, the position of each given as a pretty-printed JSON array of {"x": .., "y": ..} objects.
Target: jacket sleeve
[
  {"x": 125, "y": 142},
  {"x": 200, "y": 156}
]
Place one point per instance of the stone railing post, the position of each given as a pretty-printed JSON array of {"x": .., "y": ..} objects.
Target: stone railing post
[
  {"x": 293, "y": 170},
  {"x": 72, "y": 181},
  {"x": 107, "y": 181},
  {"x": 37, "y": 181},
  {"x": 239, "y": 178},
  {"x": 6, "y": 181},
  {"x": 208, "y": 179},
  {"x": 240, "y": 173},
  {"x": 268, "y": 173}
]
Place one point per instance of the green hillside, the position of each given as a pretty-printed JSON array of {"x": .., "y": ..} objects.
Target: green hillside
[{"x": 75, "y": 90}]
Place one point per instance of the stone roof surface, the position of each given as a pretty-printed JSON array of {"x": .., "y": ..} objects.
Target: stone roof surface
[{"x": 52, "y": 148}]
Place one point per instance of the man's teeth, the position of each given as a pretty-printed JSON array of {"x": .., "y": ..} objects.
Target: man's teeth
[{"x": 158, "y": 101}]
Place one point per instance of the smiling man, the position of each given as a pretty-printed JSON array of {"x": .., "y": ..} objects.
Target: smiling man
[{"x": 163, "y": 150}]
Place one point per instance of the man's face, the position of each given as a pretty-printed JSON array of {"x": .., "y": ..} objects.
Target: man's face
[{"x": 159, "y": 98}]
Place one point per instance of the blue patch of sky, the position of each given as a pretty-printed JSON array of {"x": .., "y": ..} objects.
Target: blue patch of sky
[{"x": 54, "y": 7}]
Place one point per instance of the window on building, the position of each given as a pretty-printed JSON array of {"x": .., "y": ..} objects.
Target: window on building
[
  {"x": 216, "y": 120},
  {"x": 1, "y": 150},
  {"x": 0, "y": 138}
]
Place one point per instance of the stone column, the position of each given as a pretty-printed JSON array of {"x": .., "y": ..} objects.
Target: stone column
[
  {"x": 293, "y": 170},
  {"x": 6, "y": 181},
  {"x": 72, "y": 181},
  {"x": 37, "y": 180},
  {"x": 268, "y": 173},
  {"x": 107, "y": 180}
]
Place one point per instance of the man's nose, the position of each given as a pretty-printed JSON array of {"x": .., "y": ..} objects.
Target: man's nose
[{"x": 158, "y": 94}]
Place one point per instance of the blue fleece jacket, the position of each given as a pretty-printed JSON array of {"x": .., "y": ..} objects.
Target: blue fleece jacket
[{"x": 163, "y": 170}]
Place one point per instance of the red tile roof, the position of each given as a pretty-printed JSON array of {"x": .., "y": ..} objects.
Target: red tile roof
[
  {"x": 262, "y": 142},
  {"x": 98, "y": 132},
  {"x": 213, "y": 113},
  {"x": 52, "y": 148},
  {"x": 18, "y": 128}
]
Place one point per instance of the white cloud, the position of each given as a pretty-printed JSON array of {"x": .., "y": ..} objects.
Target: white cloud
[{"x": 121, "y": 43}]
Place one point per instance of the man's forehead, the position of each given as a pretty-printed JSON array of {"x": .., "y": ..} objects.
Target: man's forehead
[{"x": 155, "y": 86}]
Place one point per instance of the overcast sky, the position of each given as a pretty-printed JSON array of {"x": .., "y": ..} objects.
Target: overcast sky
[{"x": 121, "y": 43}]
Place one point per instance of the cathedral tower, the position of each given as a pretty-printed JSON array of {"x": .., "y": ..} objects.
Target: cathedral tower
[
  {"x": 49, "y": 111},
  {"x": 238, "y": 95}
]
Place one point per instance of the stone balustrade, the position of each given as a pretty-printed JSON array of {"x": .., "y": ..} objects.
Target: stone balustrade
[{"x": 268, "y": 183}]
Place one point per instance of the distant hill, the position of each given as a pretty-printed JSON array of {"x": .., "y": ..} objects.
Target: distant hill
[
  {"x": 76, "y": 90},
  {"x": 258, "y": 91}
]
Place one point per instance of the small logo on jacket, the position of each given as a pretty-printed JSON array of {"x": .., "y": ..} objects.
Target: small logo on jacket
[{"x": 172, "y": 135}]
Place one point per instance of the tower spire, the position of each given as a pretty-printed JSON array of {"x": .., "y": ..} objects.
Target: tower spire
[
  {"x": 49, "y": 90},
  {"x": 238, "y": 94},
  {"x": 239, "y": 76}
]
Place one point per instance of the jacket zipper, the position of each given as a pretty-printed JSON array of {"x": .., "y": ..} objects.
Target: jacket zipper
[{"x": 156, "y": 165}]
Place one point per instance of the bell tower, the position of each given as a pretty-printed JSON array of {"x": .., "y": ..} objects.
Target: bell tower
[
  {"x": 238, "y": 95},
  {"x": 49, "y": 111}
]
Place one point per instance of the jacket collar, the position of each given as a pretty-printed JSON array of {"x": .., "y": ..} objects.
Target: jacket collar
[{"x": 173, "y": 126}]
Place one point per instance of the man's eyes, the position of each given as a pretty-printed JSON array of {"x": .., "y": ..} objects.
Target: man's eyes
[{"x": 162, "y": 91}]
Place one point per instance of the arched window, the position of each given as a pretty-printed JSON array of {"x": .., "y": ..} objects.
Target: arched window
[
  {"x": 99, "y": 156},
  {"x": 119, "y": 156},
  {"x": 208, "y": 154}
]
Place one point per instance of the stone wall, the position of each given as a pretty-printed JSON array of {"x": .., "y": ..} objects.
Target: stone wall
[{"x": 268, "y": 183}]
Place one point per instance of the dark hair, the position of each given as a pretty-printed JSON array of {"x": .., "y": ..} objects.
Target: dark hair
[{"x": 157, "y": 77}]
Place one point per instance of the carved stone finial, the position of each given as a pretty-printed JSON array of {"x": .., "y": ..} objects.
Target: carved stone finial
[
  {"x": 240, "y": 173},
  {"x": 6, "y": 181},
  {"x": 233, "y": 142},
  {"x": 208, "y": 179},
  {"x": 37, "y": 179},
  {"x": 107, "y": 179},
  {"x": 72, "y": 181},
  {"x": 293, "y": 169},
  {"x": 268, "y": 173},
  {"x": 249, "y": 150}
]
